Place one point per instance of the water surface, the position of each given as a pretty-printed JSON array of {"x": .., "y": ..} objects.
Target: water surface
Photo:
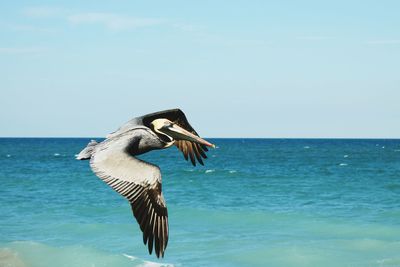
[{"x": 257, "y": 202}]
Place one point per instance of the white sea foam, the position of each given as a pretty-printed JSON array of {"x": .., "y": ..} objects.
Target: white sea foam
[
  {"x": 56, "y": 154},
  {"x": 148, "y": 263},
  {"x": 213, "y": 156},
  {"x": 345, "y": 156},
  {"x": 29, "y": 253},
  {"x": 306, "y": 147},
  {"x": 209, "y": 171},
  {"x": 129, "y": 256},
  {"x": 343, "y": 164},
  {"x": 154, "y": 264},
  {"x": 387, "y": 261},
  {"x": 233, "y": 171},
  {"x": 8, "y": 155}
]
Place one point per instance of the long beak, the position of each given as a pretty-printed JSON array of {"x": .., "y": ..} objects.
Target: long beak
[{"x": 178, "y": 133}]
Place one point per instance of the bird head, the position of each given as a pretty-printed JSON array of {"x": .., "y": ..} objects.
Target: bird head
[{"x": 174, "y": 132}]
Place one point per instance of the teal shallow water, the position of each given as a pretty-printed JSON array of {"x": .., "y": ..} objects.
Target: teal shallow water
[{"x": 257, "y": 202}]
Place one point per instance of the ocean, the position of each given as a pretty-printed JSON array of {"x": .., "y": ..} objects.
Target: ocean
[{"x": 256, "y": 202}]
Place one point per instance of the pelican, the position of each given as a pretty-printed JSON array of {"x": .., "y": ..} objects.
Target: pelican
[{"x": 113, "y": 160}]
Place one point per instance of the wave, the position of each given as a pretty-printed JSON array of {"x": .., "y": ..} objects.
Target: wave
[
  {"x": 148, "y": 263},
  {"x": 34, "y": 254}
]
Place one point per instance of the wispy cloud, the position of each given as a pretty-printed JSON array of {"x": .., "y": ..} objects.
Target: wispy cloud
[
  {"x": 314, "y": 38},
  {"x": 29, "y": 28},
  {"x": 185, "y": 27},
  {"x": 113, "y": 21},
  {"x": 20, "y": 50},
  {"x": 110, "y": 21},
  {"x": 247, "y": 42},
  {"x": 227, "y": 41},
  {"x": 43, "y": 12},
  {"x": 384, "y": 42}
]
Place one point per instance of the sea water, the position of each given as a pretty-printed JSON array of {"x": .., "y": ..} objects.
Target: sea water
[{"x": 256, "y": 202}]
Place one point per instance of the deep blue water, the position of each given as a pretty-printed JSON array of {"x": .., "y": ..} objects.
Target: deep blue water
[{"x": 257, "y": 202}]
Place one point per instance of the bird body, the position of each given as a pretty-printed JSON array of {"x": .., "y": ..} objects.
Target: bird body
[{"x": 114, "y": 161}]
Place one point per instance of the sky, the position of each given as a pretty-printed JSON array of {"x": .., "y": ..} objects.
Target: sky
[{"x": 272, "y": 69}]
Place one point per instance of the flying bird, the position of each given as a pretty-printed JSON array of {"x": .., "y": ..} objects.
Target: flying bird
[{"x": 113, "y": 160}]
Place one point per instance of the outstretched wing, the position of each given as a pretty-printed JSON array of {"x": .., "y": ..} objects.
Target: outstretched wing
[
  {"x": 140, "y": 183},
  {"x": 189, "y": 149}
]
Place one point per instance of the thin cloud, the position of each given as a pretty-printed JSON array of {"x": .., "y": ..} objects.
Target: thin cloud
[
  {"x": 110, "y": 21},
  {"x": 29, "y": 28},
  {"x": 20, "y": 50},
  {"x": 225, "y": 41},
  {"x": 113, "y": 21},
  {"x": 247, "y": 42},
  {"x": 384, "y": 42},
  {"x": 185, "y": 27},
  {"x": 314, "y": 38},
  {"x": 43, "y": 12}
]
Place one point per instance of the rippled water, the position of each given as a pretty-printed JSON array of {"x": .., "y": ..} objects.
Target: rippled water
[{"x": 257, "y": 202}]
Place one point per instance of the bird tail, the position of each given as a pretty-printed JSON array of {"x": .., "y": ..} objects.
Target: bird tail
[{"x": 87, "y": 152}]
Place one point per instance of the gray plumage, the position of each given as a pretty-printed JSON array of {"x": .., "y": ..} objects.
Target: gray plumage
[
  {"x": 114, "y": 161},
  {"x": 87, "y": 152}
]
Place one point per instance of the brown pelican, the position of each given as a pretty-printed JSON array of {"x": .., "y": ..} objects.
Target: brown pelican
[{"x": 113, "y": 160}]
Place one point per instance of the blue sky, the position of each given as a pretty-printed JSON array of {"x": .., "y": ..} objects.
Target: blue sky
[{"x": 236, "y": 68}]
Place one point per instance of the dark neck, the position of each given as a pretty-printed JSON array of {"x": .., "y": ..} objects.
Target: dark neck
[{"x": 144, "y": 141}]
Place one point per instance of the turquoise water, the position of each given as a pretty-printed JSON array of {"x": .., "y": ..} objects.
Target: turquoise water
[{"x": 257, "y": 202}]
